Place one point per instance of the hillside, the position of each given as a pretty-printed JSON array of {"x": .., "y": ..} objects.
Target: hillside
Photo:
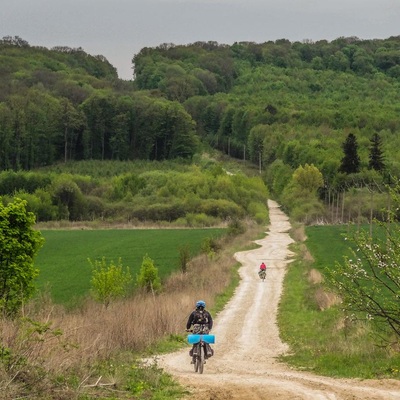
[{"x": 279, "y": 105}]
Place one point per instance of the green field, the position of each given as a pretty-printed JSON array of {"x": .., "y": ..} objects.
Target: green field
[
  {"x": 63, "y": 260},
  {"x": 329, "y": 244},
  {"x": 320, "y": 341}
]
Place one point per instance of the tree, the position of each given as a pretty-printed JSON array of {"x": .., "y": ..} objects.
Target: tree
[
  {"x": 350, "y": 162},
  {"x": 19, "y": 244},
  {"x": 308, "y": 178},
  {"x": 109, "y": 282},
  {"x": 100, "y": 111},
  {"x": 72, "y": 119},
  {"x": 148, "y": 278},
  {"x": 255, "y": 142},
  {"x": 68, "y": 197},
  {"x": 376, "y": 159}
]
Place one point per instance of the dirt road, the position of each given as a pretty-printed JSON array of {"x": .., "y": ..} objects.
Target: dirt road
[{"x": 244, "y": 366}]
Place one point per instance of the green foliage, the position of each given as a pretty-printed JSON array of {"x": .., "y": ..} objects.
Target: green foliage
[
  {"x": 293, "y": 103},
  {"x": 184, "y": 257},
  {"x": 308, "y": 178},
  {"x": 109, "y": 282},
  {"x": 126, "y": 185},
  {"x": 28, "y": 182},
  {"x": 277, "y": 176},
  {"x": 148, "y": 277},
  {"x": 300, "y": 194},
  {"x": 68, "y": 198},
  {"x": 150, "y": 382},
  {"x": 197, "y": 195},
  {"x": 376, "y": 158},
  {"x": 19, "y": 245},
  {"x": 209, "y": 246},
  {"x": 236, "y": 227}
]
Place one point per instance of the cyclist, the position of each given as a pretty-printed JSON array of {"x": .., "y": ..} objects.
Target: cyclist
[
  {"x": 202, "y": 322},
  {"x": 262, "y": 271}
]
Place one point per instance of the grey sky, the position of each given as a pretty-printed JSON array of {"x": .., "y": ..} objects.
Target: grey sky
[{"x": 118, "y": 29}]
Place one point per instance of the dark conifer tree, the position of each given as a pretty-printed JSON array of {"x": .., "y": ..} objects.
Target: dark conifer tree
[
  {"x": 350, "y": 163},
  {"x": 376, "y": 159}
]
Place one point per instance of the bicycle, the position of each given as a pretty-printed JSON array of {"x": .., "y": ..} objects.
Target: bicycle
[
  {"x": 200, "y": 341},
  {"x": 262, "y": 274}
]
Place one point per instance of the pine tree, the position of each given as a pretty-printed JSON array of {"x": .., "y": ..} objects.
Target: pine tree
[
  {"x": 376, "y": 159},
  {"x": 350, "y": 163}
]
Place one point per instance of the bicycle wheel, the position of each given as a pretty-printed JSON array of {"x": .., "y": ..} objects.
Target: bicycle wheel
[
  {"x": 196, "y": 357},
  {"x": 201, "y": 358}
]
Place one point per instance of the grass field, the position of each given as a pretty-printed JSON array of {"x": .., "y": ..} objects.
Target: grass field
[
  {"x": 63, "y": 260},
  {"x": 321, "y": 338}
]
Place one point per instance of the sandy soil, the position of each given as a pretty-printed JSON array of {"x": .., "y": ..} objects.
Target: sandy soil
[{"x": 247, "y": 344}]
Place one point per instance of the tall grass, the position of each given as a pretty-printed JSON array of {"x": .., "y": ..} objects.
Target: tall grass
[
  {"x": 321, "y": 336},
  {"x": 63, "y": 351}
]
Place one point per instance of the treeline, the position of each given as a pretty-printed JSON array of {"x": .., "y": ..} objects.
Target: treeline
[
  {"x": 63, "y": 104},
  {"x": 194, "y": 195},
  {"x": 280, "y": 105}
]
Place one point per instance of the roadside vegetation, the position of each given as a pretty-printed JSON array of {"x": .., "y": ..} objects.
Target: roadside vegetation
[
  {"x": 94, "y": 351},
  {"x": 324, "y": 335}
]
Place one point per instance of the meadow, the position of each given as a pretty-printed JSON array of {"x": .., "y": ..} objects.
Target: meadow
[
  {"x": 64, "y": 269},
  {"x": 325, "y": 339}
]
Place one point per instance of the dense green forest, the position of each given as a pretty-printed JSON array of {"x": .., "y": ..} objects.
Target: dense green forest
[{"x": 294, "y": 109}]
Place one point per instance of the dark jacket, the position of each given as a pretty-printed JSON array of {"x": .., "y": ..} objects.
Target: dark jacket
[{"x": 200, "y": 317}]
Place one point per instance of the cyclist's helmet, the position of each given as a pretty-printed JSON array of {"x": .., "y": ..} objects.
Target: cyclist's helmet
[{"x": 201, "y": 304}]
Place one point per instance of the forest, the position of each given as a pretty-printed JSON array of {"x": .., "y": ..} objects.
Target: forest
[{"x": 320, "y": 120}]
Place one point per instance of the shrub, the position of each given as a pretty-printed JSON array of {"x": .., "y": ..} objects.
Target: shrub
[
  {"x": 109, "y": 282},
  {"x": 148, "y": 278},
  {"x": 236, "y": 227}
]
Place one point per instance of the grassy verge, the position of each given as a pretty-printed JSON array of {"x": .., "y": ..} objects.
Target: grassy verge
[{"x": 311, "y": 321}]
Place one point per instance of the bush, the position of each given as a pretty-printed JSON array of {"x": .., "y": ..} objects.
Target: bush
[
  {"x": 109, "y": 282},
  {"x": 69, "y": 199},
  {"x": 159, "y": 212},
  {"x": 221, "y": 208},
  {"x": 148, "y": 278}
]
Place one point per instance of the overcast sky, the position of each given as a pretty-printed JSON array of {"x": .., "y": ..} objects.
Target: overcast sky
[{"x": 118, "y": 29}]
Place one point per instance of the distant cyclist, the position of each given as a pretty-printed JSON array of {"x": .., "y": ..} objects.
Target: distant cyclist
[
  {"x": 262, "y": 271},
  {"x": 202, "y": 322}
]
